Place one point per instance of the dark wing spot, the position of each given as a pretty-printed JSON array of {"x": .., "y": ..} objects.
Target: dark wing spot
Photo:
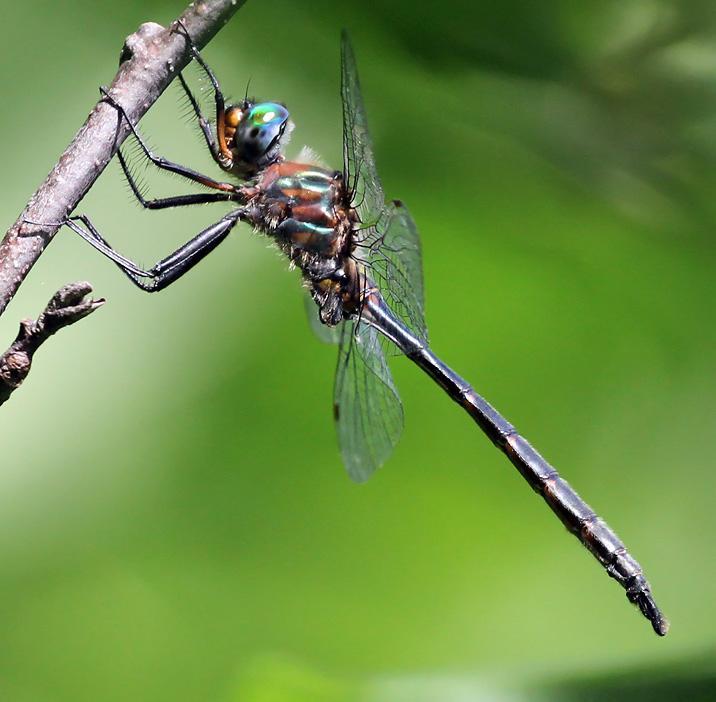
[{"x": 336, "y": 411}]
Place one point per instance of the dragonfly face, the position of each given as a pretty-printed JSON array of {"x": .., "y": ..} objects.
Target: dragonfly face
[{"x": 256, "y": 134}]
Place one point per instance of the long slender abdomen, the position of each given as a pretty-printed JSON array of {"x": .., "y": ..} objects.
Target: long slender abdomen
[
  {"x": 584, "y": 523},
  {"x": 564, "y": 501}
]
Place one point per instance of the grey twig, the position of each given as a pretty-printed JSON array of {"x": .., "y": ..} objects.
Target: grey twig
[
  {"x": 151, "y": 58},
  {"x": 67, "y": 306}
]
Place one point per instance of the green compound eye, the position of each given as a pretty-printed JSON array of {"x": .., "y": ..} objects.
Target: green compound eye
[
  {"x": 258, "y": 138},
  {"x": 266, "y": 113}
]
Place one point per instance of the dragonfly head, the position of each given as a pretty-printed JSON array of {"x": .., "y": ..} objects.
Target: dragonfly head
[{"x": 257, "y": 133}]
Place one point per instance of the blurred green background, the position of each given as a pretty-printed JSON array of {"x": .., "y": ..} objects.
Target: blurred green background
[{"x": 175, "y": 522}]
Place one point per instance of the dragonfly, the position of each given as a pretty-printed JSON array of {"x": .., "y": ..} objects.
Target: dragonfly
[{"x": 360, "y": 260}]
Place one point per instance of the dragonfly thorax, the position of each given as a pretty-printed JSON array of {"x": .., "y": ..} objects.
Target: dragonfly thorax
[{"x": 304, "y": 208}]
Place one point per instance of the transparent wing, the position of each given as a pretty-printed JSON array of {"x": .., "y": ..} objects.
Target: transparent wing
[
  {"x": 388, "y": 243},
  {"x": 391, "y": 251},
  {"x": 367, "y": 408},
  {"x": 358, "y": 161},
  {"x": 368, "y": 411}
]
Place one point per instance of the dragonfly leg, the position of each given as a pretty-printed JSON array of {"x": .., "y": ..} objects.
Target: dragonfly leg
[
  {"x": 203, "y": 122},
  {"x": 170, "y": 268},
  {"x": 163, "y": 203},
  {"x": 219, "y": 149},
  {"x": 161, "y": 162}
]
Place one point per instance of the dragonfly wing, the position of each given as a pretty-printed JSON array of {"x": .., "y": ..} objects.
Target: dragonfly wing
[
  {"x": 358, "y": 161},
  {"x": 367, "y": 408},
  {"x": 391, "y": 251},
  {"x": 388, "y": 243},
  {"x": 369, "y": 414}
]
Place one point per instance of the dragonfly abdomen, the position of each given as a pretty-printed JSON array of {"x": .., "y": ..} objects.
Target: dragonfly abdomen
[
  {"x": 562, "y": 498},
  {"x": 564, "y": 501}
]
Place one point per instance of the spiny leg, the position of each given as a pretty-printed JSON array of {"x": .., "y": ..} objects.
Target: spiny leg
[
  {"x": 173, "y": 200},
  {"x": 220, "y": 151},
  {"x": 204, "y": 124},
  {"x": 161, "y": 162},
  {"x": 170, "y": 268}
]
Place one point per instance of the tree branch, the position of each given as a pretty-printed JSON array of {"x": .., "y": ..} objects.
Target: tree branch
[
  {"x": 150, "y": 60},
  {"x": 67, "y": 306}
]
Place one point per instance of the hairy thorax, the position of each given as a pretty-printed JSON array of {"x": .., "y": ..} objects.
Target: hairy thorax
[{"x": 305, "y": 209}]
